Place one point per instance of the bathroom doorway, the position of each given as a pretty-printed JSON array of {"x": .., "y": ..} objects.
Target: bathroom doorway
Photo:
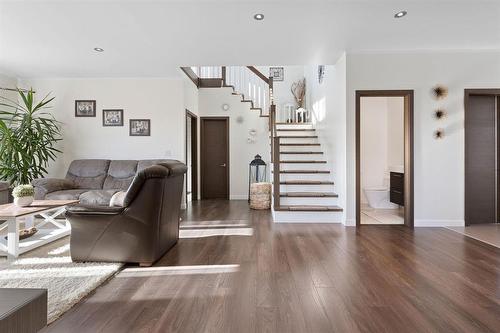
[
  {"x": 191, "y": 157},
  {"x": 384, "y": 157}
]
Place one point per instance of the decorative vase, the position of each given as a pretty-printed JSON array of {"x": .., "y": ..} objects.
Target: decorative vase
[
  {"x": 301, "y": 112},
  {"x": 23, "y": 201}
]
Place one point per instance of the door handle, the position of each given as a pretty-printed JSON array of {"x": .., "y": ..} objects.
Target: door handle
[{"x": 223, "y": 165}]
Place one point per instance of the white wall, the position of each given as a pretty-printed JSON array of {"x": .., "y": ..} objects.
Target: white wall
[
  {"x": 395, "y": 131},
  {"x": 161, "y": 100},
  {"x": 240, "y": 151},
  {"x": 373, "y": 142},
  {"x": 439, "y": 164},
  {"x": 281, "y": 89},
  {"x": 8, "y": 82},
  {"x": 327, "y": 103}
]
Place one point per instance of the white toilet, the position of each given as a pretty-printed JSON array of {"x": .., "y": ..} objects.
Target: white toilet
[{"x": 378, "y": 197}]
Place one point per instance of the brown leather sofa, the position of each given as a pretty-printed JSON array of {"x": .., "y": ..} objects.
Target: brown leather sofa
[
  {"x": 92, "y": 181},
  {"x": 141, "y": 229}
]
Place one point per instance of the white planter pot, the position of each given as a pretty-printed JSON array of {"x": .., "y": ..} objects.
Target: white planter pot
[{"x": 23, "y": 201}]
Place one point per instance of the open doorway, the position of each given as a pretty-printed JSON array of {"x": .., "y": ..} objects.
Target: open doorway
[
  {"x": 384, "y": 158},
  {"x": 191, "y": 157}
]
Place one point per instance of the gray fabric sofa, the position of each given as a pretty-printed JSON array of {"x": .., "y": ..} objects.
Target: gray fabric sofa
[
  {"x": 92, "y": 181},
  {"x": 4, "y": 192}
]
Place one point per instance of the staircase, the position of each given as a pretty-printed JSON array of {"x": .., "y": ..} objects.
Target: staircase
[
  {"x": 303, "y": 187},
  {"x": 306, "y": 188}
]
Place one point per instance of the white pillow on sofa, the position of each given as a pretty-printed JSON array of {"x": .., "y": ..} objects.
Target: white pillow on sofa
[{"x": 117, "y": 199}]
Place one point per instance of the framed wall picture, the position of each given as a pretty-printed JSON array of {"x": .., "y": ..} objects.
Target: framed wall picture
[
  {"x": 85, "y": 108},
  {"x": 277, "y": 73},
  {"x": 140, "y": 127},
  {"x": 112, "y": 117}
]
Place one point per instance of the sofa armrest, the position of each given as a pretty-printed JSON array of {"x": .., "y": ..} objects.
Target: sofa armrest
[
  {"x": 93, "y": 210},
  {"x": 43, "y": 186}
]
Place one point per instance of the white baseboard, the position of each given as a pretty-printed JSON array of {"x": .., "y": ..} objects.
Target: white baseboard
[
  {"x": 350, "y": 223},
  {"x": 307, "y": 217},
  {"x": 238, "y": 197},
  {"x": 439, "y": 223}
]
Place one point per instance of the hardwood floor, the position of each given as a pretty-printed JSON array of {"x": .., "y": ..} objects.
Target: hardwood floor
[{"x": 263, "y": 277}]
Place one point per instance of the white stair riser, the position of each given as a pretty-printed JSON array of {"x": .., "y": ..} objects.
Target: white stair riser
[
  {"x": 298, "y": 140},
  {"x": 303, "y": 166},
  {"x": 307, "y": 217},
  {"x": 311, "y": 176},
  {"x": 302, "y": 157},
  {"x": 296, "y": 133},
  {"x": 299, "y": 148},
  {"x": 323, "y": 201},
  {"x": 301, "y": 126},
  {"x": 307, "y": 188}
]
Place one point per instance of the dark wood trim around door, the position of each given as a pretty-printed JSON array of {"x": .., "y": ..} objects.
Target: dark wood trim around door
[
  {"x": 203, "y": 153},
  {"x": 194, "y": 154},
  {"x": 408, "y": 144},
  {"x": 467, "y": 192}
]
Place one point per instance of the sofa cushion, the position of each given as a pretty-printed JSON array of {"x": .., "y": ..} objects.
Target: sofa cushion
[
  {"x": 97, "y": 197},
  {"x": 88, "y": 174},
  {"x": 120, "y": 174},
  {"x": 65, "y": 194},
  {"x": 143, "y": 164}
]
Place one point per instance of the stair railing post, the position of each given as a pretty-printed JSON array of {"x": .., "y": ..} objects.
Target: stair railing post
[
  {"x": 223, "y": 74},
  {"x": 276, "y": 172}
]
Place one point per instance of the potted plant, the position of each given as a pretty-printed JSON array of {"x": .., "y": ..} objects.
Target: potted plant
[
  {"x": 28, "y": 137},
  {"x": 23, "y": 195}
]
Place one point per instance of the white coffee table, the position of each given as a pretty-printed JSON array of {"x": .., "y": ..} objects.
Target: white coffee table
[{"x": 13, "y": 215}]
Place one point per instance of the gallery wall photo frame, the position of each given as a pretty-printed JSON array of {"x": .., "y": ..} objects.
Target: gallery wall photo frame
[
  {"x": 112, "y": 117},
  {"x": 277, "y": 73},
  {"x": 85, "y": 108},
  {"x": 140, "y": 127}
]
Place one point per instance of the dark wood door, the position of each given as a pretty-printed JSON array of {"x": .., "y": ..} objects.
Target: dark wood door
[
  {"x": 215, "y": 158},
  {"x": 480, "y": 160}
]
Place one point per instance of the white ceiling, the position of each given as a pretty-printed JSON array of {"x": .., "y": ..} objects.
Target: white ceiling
[{"x": 152, "y": 38}]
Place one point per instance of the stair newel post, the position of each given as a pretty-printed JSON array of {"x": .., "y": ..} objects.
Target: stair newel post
[
  {"x": 223, "y": 74},
  {"x": 276, "y": 171}
]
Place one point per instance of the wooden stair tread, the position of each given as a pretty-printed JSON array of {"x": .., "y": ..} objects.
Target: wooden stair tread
[
  {"x": 304, "y": 171},
  {"x": 306, "y": 182},
  {"x": 301, "y": 152},
  {"x": 300, "y": 144},
  {"x": 309, "y": 194},
  {"x": 298, "y": 136},
  {"x": 310, "y": 208},
  {"x": 304, "y": 161}
]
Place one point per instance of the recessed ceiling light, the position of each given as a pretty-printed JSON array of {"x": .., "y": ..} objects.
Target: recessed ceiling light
[
  {"x": 400, "y": 14},
  {"x": 98, "y": 49},
  {"x": 258, "y": 17}
]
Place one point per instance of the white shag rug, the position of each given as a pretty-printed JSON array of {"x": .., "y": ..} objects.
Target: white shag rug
[{"x": 50, "y": 267}]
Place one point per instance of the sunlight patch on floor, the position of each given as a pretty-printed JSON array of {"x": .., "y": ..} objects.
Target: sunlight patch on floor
[
  {"x": 178, "y": 270},
  {"x": 189, "y": 226},
  {"x": 200, "y": 233}
]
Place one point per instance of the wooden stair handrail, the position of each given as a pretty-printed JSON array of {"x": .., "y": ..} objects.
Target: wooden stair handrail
[
  {"x": 259, "y": 74},
  {"x": 191, "y": 75}
]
